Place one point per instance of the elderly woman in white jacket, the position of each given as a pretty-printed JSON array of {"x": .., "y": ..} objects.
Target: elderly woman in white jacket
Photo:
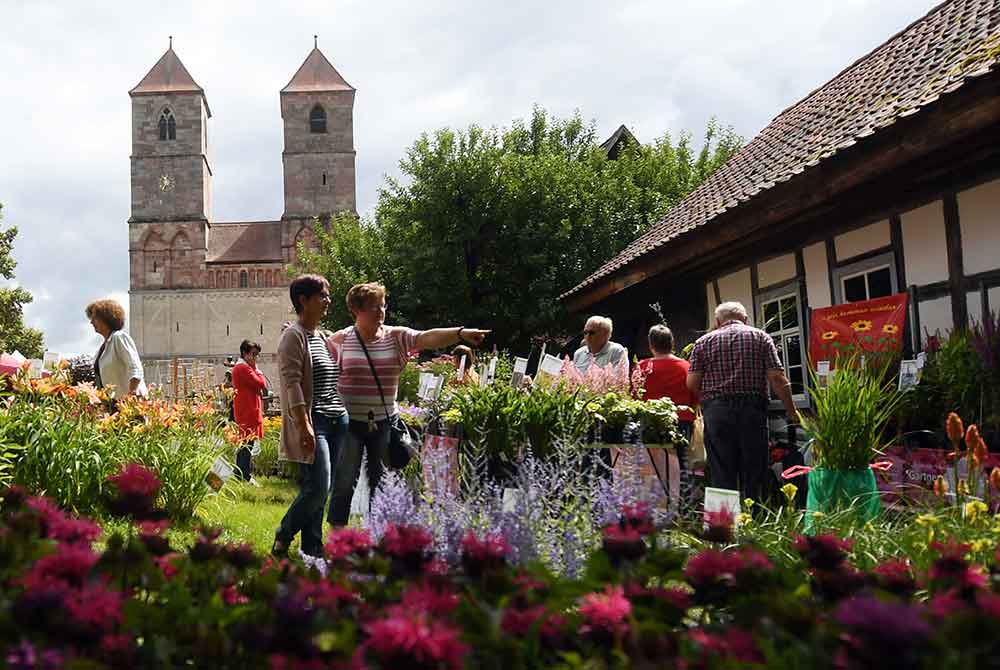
[{"x": 117, "y": 363}]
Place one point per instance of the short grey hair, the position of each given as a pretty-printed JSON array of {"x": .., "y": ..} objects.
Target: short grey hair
[
  {"x": 602, "y": 322},
  {"x": 728, "y": 311}
]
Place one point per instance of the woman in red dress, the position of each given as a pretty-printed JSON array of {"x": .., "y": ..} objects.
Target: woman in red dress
[
  {"x": 248, "y": 409},
  {"x": 666, "y": 377}
]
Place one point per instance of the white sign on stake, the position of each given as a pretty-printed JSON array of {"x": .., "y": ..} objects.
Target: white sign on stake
[
  {"x": 909, "y": 374},
  {"x": 50, "y": 361},
  {"x": 823, "y": 372},
  {"x": 460, "y": 375},
  {"x": 520, "y": 367},
  {"x": 493, "y": 368},
  {"x": 551, "y": 365}
]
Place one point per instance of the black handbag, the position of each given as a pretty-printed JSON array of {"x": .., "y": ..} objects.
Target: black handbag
[{"x": 402, "y": 441}]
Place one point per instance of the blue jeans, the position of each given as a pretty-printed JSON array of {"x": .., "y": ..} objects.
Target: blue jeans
[
  {"x": 359, "y": 440},
  {"x": 305, "y": 514}
]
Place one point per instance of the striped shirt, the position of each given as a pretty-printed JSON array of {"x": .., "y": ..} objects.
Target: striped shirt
[
  {"x": 734, "y": 360},
  {"x": 389, "y": 353},
  {"x": 325, "y": 399}
]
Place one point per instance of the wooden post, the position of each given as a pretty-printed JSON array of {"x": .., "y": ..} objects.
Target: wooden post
[{"x": 184, "y": 377}]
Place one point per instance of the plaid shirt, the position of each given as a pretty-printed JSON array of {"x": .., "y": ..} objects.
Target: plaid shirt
[{"x": 734, "y": 360}]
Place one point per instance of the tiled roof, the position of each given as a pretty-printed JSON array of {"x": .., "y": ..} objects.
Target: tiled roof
[
  {"x": 934, "y": 56},
  {"x": 316, "y": 74},
  {"x": 244, "y": 242},
  {"x": 168, "y": 76}
]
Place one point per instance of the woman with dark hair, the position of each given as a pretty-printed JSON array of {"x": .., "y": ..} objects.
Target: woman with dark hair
[
  {"x": 371, "y": 359},
  {"x": 117, "y": 364},
  {"x": 248, "y": 408},
  {"x": 665, "y": 376},
  {"x": 313, "y": 418}
]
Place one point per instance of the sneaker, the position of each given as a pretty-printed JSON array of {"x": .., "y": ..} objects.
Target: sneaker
[{"x": 279, "y": 550}]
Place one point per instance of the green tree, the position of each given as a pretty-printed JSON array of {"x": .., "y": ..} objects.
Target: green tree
[
  {"x": 348, "y": 251},
  {"x": 14, "y": 335}
]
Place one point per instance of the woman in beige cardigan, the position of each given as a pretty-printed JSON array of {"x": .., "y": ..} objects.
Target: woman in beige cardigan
[{"x": 313, "y": 418}]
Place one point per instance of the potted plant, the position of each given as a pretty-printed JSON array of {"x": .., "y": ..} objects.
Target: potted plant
[{"x": 846, "y": 434}]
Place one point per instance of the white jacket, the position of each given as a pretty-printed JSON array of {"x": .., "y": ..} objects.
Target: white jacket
[{"x": 120, "y": 362}]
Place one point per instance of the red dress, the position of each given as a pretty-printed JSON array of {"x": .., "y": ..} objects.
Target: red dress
[
  {"x": 248, "y": 409},
  {"x": 667, "y": 378}
]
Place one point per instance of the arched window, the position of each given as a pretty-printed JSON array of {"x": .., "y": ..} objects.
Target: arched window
[
  {"x": 317, "y": 120},
  {"x": 167, "y": 125},
  {"x": 244, "y": 279}
]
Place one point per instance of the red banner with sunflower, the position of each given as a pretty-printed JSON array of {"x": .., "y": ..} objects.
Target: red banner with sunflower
[{"x": 870, "y": 327}]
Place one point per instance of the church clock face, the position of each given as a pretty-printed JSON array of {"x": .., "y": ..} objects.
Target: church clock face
[{"x": 166, "y": 183}]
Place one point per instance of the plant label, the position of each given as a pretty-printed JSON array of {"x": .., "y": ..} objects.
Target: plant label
[
  {"x": 219, "y": 474},
  {"x": 520, "y": 367},
  {"x": 50, "y": 361},
  {"x": 921, "y": 360},
  {"x": 909, "y": 374},
  {"x": 551, "y": 365},
  {"x": 719, "y": 499},
  {"x": 460, "y": 375},
  {"x": 35, "y": 369}
]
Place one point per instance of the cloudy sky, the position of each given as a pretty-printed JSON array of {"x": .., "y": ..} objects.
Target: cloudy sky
[{"x": 655, "y": 65}]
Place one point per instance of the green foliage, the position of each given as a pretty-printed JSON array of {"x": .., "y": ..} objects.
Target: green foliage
[
  {"x": 349, "y": 251},
  {"x": 850, "y": 414},
  {"x": 14, "y": 335}
]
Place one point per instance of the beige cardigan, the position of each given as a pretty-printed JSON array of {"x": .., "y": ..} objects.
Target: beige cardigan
[{"x": 296, "y": 387}]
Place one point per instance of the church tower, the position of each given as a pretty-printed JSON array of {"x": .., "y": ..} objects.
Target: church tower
[
  {"x": 317, "y": 108},
  {"x": 171, "y": 178}
]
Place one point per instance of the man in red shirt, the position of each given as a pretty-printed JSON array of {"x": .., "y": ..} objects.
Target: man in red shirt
[
  {"x": 248, "y": 410},
  {"x": 665, "y": 376},
  {"x": 731, "y": 368}
]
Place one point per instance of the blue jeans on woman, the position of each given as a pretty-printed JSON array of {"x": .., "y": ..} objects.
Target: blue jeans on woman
[
  {"x": 305, "y": 514},
  {"x": 360, "y": 440}
]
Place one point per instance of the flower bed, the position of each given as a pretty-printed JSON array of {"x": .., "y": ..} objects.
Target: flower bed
[{"x": 393, "y": 603}]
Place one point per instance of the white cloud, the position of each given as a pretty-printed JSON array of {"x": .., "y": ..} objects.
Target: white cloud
[{"x": 656, "y": 66}]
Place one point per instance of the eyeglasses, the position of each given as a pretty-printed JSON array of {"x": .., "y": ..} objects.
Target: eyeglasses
[{"x": 589, "y": 332}]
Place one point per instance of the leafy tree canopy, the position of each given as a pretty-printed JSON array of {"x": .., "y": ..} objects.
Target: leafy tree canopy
[
  {"x": 489, "y": 226},
  {"x": 14, "y": 335}
]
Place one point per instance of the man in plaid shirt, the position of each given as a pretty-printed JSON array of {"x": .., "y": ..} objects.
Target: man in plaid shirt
[{"x": 731, "y": 367}]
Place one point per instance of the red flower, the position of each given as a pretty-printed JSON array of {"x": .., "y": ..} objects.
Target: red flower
[
  {"x": 344, "y": 542},
  {"x": 95, "y": 610},
  {"x": 73, "y": 531},
  {"x": 521, "y": 621},
  {"x": 326, "y": 595},
  {"x": 416, "y": 642},
  {"x": 409, "y": 545},
  {"x": 151, "y": 534},
  {"x": 437, "y": 602},
  {"x": 639, "y": 517},
  {"x": 895, "y": 576},
  {"x": 481, "y": 555},
  {"x": 166, "y": 565},
  {"x": 622, "y": 541},
  {"x": 605, "y": 613},
  {"x": 720, "y": 525},
  {"x": 46, "y": 511},
  {"x": 711, "y": 569},
  {"x": 824, "y": 552},
  {"x": 239, "y": 556}
]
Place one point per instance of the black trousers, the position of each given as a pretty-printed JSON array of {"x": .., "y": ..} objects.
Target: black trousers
[{"x": 736, "y": 443}]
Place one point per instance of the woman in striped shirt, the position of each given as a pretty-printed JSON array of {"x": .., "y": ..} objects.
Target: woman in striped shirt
[
  {"x": 313, "y": 418},
  {"x": 389, "y": 347}
]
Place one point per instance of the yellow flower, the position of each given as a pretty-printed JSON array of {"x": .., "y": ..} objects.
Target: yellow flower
[
  {"x": 790, "y": 490},
  {"x": 862, "y": 326},
  {"x": 974, "y": 508},
  {"x": 829, "y": 335},
  {"x": 747, "y": 503},
  {"x": 984, "y": 544},
  {"x": 963, "y": 487},
  {"x": 890, "y": 329},
  {"x": 818, "y": 515},
  {"x": 927, "y": 520},
  {"x": 744, "y": 519}
]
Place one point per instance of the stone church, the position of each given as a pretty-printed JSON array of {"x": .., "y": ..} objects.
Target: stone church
[{"x": 198, "y": 287}]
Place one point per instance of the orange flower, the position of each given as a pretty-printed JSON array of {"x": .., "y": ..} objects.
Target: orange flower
[
  {"x": 955, "y": 429},
  {"x": 963, "y": 487},
  {"x": 995, "y": 478},
  {"x": 940, "y": 487},
  {"x": 890, "y": 329},
  {"x": 971, "y": 436},
  {"x": 829, "y": 335},
  {"x": 979, "y": 452}
]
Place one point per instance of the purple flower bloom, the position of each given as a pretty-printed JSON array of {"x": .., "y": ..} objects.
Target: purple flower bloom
[
  {"x": 392, "y": 504},
  {"x": 885, "y": 633},
  {"x": 24, "y": 657}
]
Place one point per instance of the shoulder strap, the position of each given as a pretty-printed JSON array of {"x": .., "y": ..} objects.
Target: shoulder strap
[{"x": 371, "y": 365}]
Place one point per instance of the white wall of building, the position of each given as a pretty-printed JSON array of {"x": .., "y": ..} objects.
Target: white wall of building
[
  {"x": 979, "y": 216},
  {"x": 817, "y": 275},
  {"x": 924, "y": 246},
  {"x": 861, "y": 240}
]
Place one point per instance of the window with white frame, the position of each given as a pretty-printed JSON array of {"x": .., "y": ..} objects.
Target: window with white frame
[
  {"x": 871, "y": 278},
  {"x": 780, "y": 314}
]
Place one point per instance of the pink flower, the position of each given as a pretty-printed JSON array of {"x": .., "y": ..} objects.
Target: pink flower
[
  {"x": 151, "y": 534},
  {"x": 989, "y": 603},
  {"x": 479, "y": 555},
  {"x": 720, "y": 526},
  {"x": 231, "y": 596},
  {"x": 344, "y": 542},
  {"x": 167, "y": 566},
  {"x": 94, "y": 610},
  {"x": 734, "y": 645},
  {"x": 712, "y": 573},
  {"x": 895, "y": 576},
  {"x": 639, "y": 517},
  {"x": 437, "y": 602},
  {"x": 409, "y": 545},
  {"x": 73, "y": 531},
  {"x": 46, "y": 511},
  {"x": 326, "y": 595},
  {"x": 605, "y": 612},
  {"x": 71, "y": 564},
  {"x": 136, "y": 480},
  {"x": 416, "y": 642},
  {"x": 621, "y": 541}
]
